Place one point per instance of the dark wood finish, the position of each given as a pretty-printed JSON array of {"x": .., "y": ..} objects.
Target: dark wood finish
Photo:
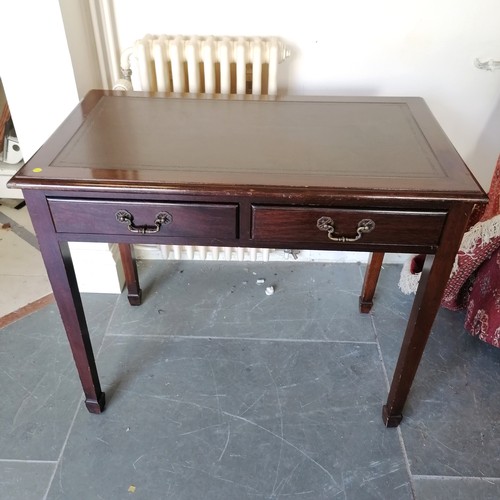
[
  {"x": 370, "y": 282},
  {"x": 296, "y": 225},
  {"x": 240, "y": 171},
  {"x": 57, "y": 259},
  {"x": 134, "y": 292},
  {"x": 437, "y": 269},
  {"x": 188, "y": 220}
]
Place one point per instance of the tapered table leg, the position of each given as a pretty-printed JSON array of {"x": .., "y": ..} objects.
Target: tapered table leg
[
  {"x": 370, "y": 282},
  {"x": 134, "y": 292},
  {"x": 432, "y": 284},
  {"x": 57, "y": 258}
]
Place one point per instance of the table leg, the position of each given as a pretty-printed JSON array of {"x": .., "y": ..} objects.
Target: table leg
[
  {"x": 370, "y": 283},
  {"x": 57, "y": 258},
  {"x": 433, "y": 280},
  {"x": 60, "y": 270},
  {"x": 131, "y": 275}
]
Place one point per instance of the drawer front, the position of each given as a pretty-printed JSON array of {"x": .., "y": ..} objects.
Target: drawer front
[
  {"x": 197, "y": 220},
  {"x": 300, "y": 225}
]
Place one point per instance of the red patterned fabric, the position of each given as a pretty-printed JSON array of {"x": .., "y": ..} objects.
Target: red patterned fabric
[
  {"x": 474, "y": 283},
  {"x": 459, "y": 287},
  {"x": 483, "y": 304}
]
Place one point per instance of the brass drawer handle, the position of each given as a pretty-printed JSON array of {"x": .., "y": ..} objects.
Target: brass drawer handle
[
  {"x": 327, "y": 224},
  {"x": 128, "y": 218}
]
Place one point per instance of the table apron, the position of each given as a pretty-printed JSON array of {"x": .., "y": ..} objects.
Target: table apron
[{"x": 239, "y": 223}]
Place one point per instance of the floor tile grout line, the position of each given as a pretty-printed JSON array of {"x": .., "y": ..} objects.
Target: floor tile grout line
[
  {"x": 68, "y": 434},
  {"x": 247, "y": 339},
  {"x": 19, "y": 230},
  {"x": 20, "y": 461},
  {"x": 456, "y": 478},
  {"x": 26, "y": 310},
  {"x": 407, "y": 461},
  {"x": 63, "y": 447},
  {"x": 111, "y": 317},
  {"x": 398, "y": 430},
  {"x": 106, "y": 330}
]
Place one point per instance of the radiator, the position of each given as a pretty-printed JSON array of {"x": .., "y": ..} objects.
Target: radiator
[
  {"x": 202, "y": 65},
  {"x": 187, "y": 252}
]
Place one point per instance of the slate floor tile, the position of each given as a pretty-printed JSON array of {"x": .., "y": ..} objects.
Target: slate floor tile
[
  {"x": 317, "y": 301},
  {"x": 236, "y": 419},
  {"x": 456, "y": 488},
  {"x": 24, "y": 480},
  {"x": 451, "y": 425},
  {"x": 39, "y": 385},
  {"x": 216, "y": 390}
]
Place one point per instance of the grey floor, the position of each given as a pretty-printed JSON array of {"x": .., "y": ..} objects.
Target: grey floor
[{"x": 218, "y": 391}]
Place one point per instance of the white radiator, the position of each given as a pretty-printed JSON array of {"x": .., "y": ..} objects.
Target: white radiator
[
  {"x": 205, "y": 65},
  {"x": 187, "y": 252}
]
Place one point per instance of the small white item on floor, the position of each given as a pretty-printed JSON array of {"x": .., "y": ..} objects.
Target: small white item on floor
[
  {"x": 261, "y": 281},
  {"x": 269, "y": 290}
]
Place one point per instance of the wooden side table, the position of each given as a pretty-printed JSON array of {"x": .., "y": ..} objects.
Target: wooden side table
[{"x": 357, "y": 174}]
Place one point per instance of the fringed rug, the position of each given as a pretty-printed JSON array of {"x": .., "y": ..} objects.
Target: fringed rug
[{"x": 474, "y": 283}]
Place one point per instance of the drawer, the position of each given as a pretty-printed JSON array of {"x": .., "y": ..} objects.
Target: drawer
[
  {"x": 390, "y": 227},
  {"x": 197, "y": 220}
]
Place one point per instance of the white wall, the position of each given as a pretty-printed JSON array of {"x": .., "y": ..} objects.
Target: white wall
[
  {"x": 36, "y": 70},
  {"x": 388, "y": 47},
  {"x": 356, "y": 47},
  {"x": 79, "y": 32},
  {"x": 41, "y": 87}
]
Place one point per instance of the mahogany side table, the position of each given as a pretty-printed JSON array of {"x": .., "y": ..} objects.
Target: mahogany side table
[{"x": 357, "y": 174}]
